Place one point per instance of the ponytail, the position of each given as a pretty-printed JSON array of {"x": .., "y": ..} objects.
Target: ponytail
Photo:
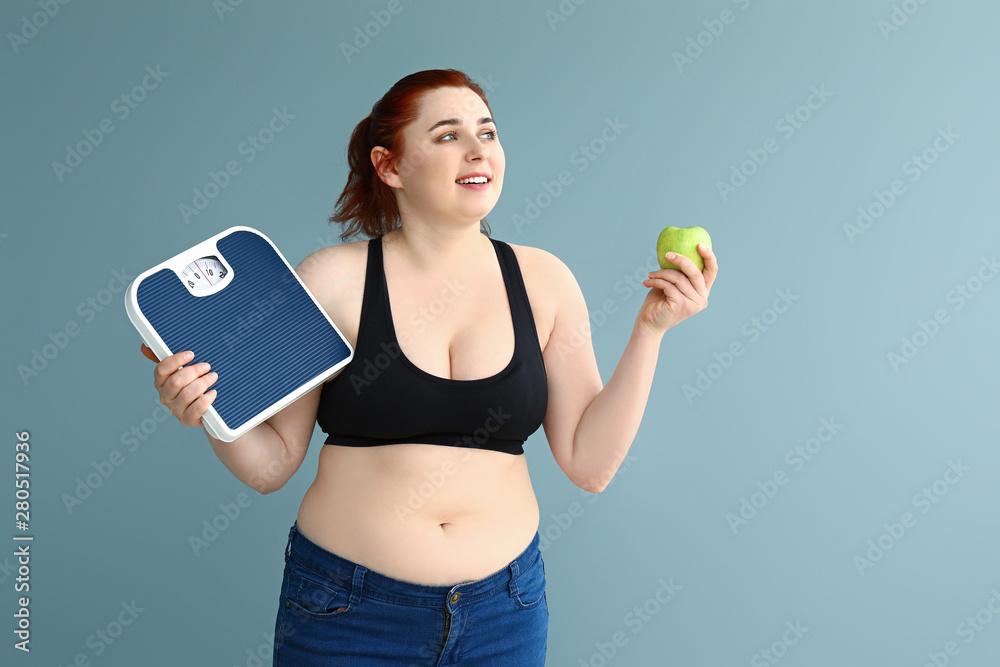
[{"x": 367, "y": 204}]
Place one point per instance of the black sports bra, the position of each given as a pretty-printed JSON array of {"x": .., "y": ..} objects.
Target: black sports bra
[{"x": 381, "y": 398}]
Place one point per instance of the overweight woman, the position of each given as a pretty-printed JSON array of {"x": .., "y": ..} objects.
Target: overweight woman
[{"x": 417, "y": 543}]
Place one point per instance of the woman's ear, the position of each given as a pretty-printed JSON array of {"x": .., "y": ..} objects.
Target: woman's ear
[{"x": 384, "y": 167}]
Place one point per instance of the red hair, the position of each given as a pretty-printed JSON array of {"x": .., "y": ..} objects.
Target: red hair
[{"x": 367, "y": 203}]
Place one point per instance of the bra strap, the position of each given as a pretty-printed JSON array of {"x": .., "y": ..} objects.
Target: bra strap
[{"x": 516, "y": 293}]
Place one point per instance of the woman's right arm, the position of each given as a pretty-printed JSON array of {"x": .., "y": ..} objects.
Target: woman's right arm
[{"x": 265, "y": 457}]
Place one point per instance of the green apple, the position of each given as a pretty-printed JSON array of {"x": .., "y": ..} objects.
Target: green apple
[{"x": 683, "y": 241}]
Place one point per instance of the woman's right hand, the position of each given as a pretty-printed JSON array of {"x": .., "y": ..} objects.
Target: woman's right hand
[{"x": 183, "y": 388}]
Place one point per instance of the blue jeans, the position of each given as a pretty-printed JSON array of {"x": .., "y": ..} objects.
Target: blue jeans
[{"x": 334, "y": 611}]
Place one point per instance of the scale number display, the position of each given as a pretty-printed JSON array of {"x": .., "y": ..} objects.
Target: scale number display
[{"x": 201, "y": 274}]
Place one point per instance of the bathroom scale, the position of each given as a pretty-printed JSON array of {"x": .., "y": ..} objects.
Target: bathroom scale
[{"x": 237, "y": 304}]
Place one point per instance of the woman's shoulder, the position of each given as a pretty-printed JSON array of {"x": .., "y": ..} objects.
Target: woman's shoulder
[
  {"x": 334, "y": 268},
  {"x": 543, "y": 265},
  {"x": 545, "y": 275}
]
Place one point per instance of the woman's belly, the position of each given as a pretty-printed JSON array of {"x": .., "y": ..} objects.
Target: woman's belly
[{"x": 427, "y": 514}]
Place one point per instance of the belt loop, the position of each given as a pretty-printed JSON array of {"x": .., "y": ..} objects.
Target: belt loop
[
  {"x": 513, "y": 578},
  {"x": 358, "y": 583},
  {"x": 288, "y": 545}
]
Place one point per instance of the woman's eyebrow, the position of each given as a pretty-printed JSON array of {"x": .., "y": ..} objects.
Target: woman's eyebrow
[{"x": 455, "y": 121}]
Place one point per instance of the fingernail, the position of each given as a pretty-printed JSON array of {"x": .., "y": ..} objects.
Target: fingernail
[{"x": 670, "y": 255}]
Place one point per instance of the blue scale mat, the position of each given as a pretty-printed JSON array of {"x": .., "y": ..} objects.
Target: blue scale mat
[{"x": 260, "y": 329}]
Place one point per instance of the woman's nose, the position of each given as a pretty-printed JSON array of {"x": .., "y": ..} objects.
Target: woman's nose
[{"x": 479, "y": 150}]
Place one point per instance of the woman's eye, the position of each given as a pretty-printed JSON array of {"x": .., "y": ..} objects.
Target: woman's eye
[{"x": 492, "y": 133}]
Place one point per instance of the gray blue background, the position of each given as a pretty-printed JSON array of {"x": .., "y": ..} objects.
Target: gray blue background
[{"x": 553, "y": 85}]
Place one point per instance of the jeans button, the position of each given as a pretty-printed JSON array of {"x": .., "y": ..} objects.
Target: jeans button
[{"x": 454, "y": 597}]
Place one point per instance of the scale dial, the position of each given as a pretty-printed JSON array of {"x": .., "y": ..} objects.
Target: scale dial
[{"x": 203, "y": 273}]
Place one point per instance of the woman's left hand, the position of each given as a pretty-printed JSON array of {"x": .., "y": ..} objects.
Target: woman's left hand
[{"x": 677, "y": 295}]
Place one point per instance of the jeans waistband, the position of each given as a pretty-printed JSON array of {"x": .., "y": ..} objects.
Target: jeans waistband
[{"x": 364, "y": 582}]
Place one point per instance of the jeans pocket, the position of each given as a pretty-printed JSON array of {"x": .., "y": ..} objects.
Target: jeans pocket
[
  {"x": 531, "y": 586},
  {"x": 308, "y": 593}
]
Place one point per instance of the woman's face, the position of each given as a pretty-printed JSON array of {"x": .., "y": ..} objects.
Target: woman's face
[{"x": 452, "y": 138}]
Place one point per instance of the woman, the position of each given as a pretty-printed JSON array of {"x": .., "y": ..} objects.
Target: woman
[{"x": 417, "y": 544}]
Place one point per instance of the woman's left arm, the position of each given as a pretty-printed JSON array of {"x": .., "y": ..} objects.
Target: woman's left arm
[{"x": 591, "y": 428}]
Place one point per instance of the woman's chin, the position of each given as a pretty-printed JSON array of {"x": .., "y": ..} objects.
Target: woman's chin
[{"x": 477, "y": 214}]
